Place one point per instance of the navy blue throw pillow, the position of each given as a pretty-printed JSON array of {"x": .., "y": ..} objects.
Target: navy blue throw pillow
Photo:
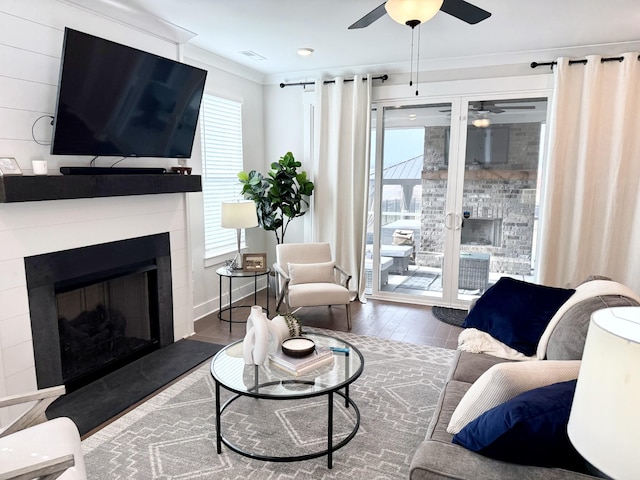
[
  {"x": 530, "y": 429},
  {"x": 516, "y": 312}
]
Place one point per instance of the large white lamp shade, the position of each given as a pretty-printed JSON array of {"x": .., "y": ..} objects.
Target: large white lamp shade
[
  {"x": 239, "y": 215},
  {"x": 415, "y": 11},
  {"x": 604, "y": 424}
]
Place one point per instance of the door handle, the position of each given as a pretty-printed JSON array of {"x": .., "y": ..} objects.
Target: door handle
[
  {"x": 447, "y": 224},
  {"x": 459, "y": 223}
]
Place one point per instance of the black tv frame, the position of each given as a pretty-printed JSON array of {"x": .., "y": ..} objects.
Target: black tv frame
[{"x": 118, "y": 101}]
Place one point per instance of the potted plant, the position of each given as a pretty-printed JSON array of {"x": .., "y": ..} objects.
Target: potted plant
[{"x": 280, "y": 196}]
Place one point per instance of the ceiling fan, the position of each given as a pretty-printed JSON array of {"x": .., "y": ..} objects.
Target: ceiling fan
[
  {"x": 485, "y": 107},
  {"x": 479, "y": 111},
  {"x": 458, "y": 8},
  {"x": 492, "y": 107},
  {"x": 414, "y": 12}
]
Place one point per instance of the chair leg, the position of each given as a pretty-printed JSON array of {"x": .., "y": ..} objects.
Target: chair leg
[{"x": 348, "y": 316}]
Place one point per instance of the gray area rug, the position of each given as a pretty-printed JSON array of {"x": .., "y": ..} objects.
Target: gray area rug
[
  {"x": 451, "y": 316},
  {"x": 172, "y": 435}
]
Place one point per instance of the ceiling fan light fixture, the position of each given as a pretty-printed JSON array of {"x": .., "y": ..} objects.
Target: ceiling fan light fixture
[
  {"x": 483, "y": 122},
  {"x": 412, "y": 12}
]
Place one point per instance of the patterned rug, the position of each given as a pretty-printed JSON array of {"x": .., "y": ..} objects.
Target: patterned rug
[{"x": 172, "y": 435}]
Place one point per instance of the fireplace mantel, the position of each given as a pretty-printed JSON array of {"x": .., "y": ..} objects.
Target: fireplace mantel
[{"x": 25, "y": 188}]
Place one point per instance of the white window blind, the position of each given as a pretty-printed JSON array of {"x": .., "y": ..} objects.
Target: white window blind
[{"x": 221, "y": 132}]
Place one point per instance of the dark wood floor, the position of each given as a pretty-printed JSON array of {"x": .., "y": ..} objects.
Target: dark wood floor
[{"x": 394, "y": 321}]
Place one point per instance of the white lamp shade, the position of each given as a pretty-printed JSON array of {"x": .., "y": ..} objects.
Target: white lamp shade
[
  {"x": 239, "y": 214},
  {"x": 604, "y": 424},
  {"x": 403, "y": 11}
]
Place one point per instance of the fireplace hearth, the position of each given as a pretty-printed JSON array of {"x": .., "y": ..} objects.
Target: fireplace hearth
[{"x": 97, "y": 308}]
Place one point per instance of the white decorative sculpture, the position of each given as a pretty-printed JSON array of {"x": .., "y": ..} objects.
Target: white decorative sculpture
[
  {"x": 265, "y": 336},
  {"x": 255, "y": 345},
  {"x": 278, "y": 331}
]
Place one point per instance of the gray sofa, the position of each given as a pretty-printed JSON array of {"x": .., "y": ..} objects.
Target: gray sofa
[{"x": 438, "y": 458}]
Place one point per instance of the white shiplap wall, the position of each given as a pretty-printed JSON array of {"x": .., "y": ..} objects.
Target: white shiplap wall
[{"x": 31, "y": 34}]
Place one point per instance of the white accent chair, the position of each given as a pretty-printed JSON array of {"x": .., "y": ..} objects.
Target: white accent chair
[
  {"x": 33, "y": 447},
  {"x": 308, "y": 276}
]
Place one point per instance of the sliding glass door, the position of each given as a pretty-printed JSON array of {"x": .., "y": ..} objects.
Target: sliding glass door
[
  {"x": 409, "y": 144},
  {"x": 500, "y": 192},
  {"x": 454, "y": 197}
]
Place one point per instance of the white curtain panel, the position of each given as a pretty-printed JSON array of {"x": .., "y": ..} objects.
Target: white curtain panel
[
  {"x": 341, "y": 172},
  {"x": 591, "y": 214}
]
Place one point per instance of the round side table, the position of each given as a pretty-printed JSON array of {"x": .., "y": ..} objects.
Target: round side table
[{"x": 231, "y": 274}]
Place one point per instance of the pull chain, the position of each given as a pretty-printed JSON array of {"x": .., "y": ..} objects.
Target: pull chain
[
  {"x": 418, "y": 63},
  {"x": 411, "y": 60}
]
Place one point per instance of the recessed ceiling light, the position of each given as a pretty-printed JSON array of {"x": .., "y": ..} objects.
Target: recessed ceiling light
[
  {"x": 412, "y": 116},
  {"x": 305, "y": 52}
]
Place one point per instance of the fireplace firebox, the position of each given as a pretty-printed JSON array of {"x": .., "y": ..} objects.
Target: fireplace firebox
[{"x": 97, "y": 308}]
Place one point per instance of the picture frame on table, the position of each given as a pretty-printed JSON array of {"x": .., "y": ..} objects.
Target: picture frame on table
[
  {"x": 9, "y": 166},
  {"x": 254, "y": 262}
]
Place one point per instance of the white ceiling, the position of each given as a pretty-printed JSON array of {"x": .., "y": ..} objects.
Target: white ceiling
[{"x": 517, "y": 31}]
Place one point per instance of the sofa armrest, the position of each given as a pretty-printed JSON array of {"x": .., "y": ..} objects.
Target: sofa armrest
[{"x": 436, "y": 460}]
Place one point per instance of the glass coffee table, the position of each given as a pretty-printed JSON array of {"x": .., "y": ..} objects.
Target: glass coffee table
[{"x": 270, "y": 383}]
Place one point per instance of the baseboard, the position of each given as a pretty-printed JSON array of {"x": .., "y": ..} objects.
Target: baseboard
[{"x": 212, "y": 306}]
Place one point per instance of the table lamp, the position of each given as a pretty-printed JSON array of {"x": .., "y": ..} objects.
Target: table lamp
[
  {"x": 604, "y": 424},
  {"x": 239, "y": 215}
]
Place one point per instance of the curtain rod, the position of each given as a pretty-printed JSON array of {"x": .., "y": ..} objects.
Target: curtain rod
[
  {"x": 572, "y": 62},
  {"x": 304, "y": 84}
]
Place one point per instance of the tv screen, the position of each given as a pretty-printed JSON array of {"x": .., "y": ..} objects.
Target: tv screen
[
  {"x": 114, "y": 100},
  {"x": 485, "y": 146}
]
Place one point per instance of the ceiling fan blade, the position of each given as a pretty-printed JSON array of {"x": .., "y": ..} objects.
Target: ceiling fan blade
[
  {"x": 517, "y": 107},
  {"x": 464, "y": 11},
  {"x": 370, "y": 17}
]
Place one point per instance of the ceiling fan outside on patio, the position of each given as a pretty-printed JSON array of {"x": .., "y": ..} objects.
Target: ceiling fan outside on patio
[
  {"x": 414, "y": 12},
  {"x": 492, "y": 107},
  {"x": 485, "y": 107}
]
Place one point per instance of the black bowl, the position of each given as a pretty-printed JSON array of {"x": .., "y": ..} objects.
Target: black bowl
[{"x": 298, "y": 346}]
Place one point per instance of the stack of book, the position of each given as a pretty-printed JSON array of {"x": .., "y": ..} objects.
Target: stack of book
[{"x": 302, "y": 365}]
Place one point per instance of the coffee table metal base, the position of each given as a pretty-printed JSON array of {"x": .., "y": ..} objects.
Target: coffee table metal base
[{"x": 331, "y": 447}]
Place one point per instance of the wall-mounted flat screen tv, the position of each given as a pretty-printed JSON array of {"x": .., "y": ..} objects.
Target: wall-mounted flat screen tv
[
  {"x": 485, "y": 146},
  {"x": 114, "y": 100}
]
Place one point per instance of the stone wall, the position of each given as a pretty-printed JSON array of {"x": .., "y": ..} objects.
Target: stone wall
[{"x": 505, "y": 191}]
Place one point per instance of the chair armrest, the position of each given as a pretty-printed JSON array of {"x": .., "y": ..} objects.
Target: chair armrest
[
  {"x": 36, "y": 414},
  {"x": 47, "y": 470},
  {"x": 32, "y": 396},
  {"x": 284, "y": 278},
  {"x": 281, "y": 272},
  {"x": 346, "y": 278}
]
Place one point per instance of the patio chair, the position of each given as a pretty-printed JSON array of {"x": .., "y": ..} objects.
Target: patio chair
[{"x": 307, "y": 277}]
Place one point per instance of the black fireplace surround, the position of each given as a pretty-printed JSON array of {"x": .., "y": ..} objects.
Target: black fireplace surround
[{"x": 139, "y": 268}]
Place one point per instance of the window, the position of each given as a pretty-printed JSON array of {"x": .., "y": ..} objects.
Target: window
[{"x": 221, "y": 136}]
